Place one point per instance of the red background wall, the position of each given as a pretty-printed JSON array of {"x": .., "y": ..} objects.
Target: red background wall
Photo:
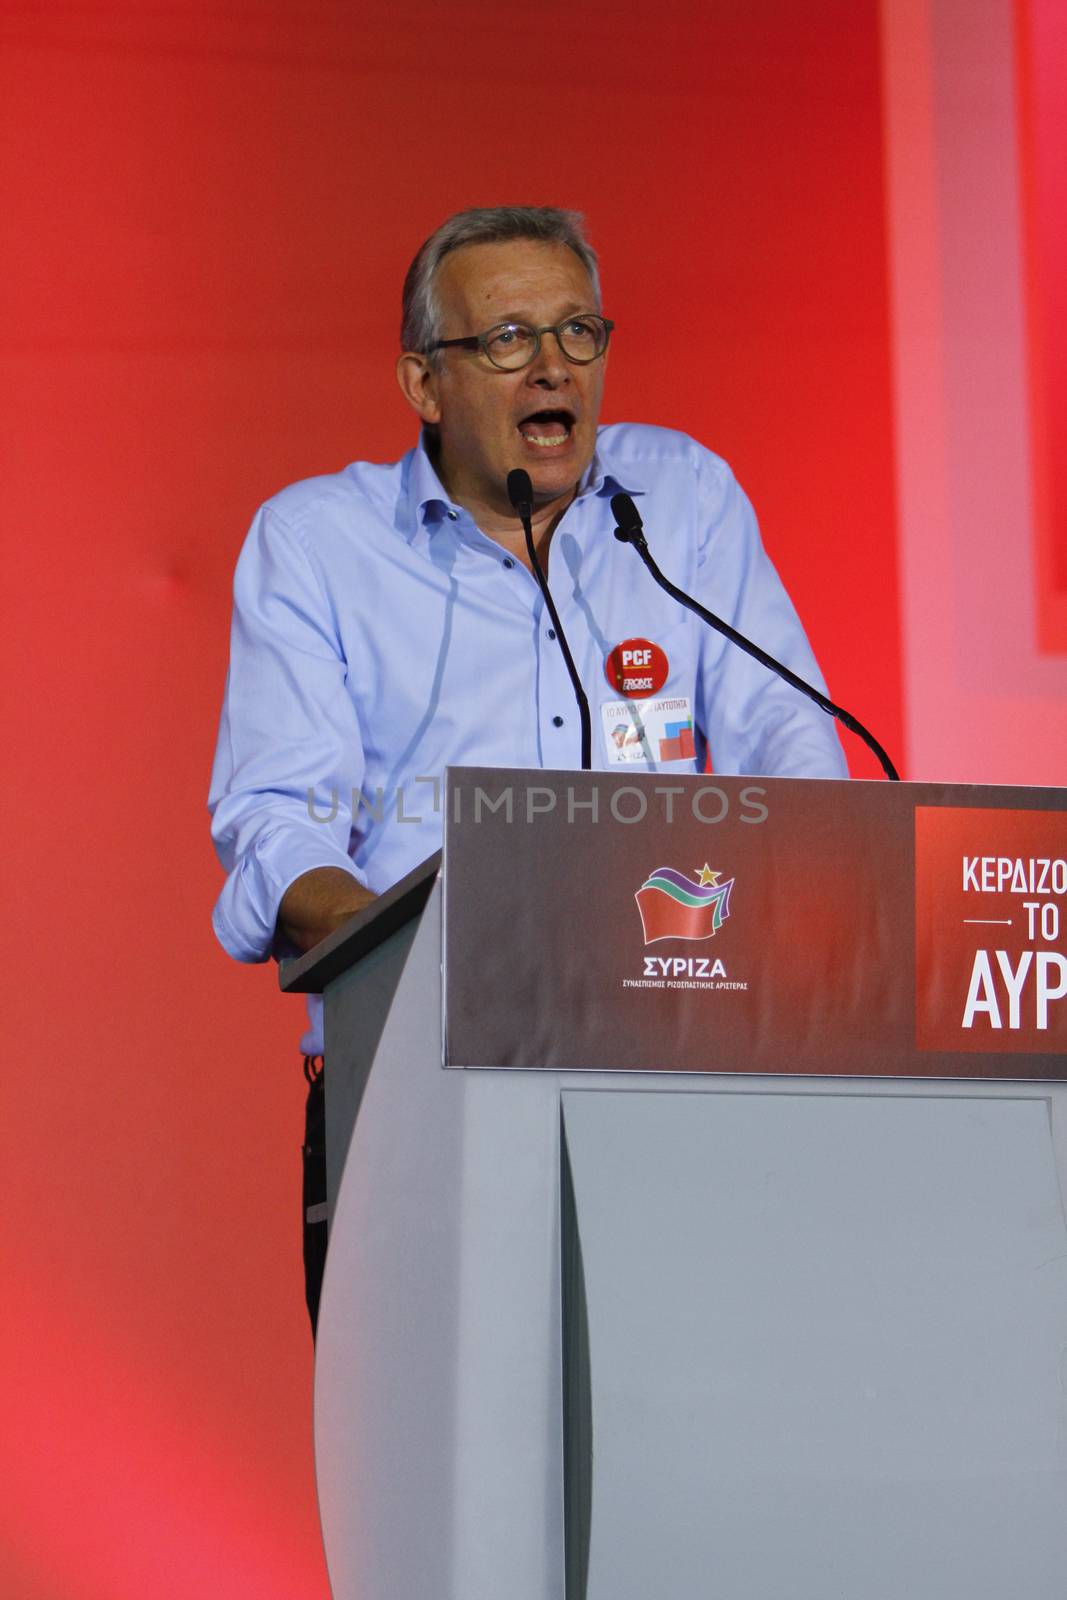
[{"x": 208, "y": 212}]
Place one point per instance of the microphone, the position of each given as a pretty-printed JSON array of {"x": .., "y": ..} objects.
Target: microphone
[
  {"x": 629, "y": 530},
  {"x": 520, "y": 493}
]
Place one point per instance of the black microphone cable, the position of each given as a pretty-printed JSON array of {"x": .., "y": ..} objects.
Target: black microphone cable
[
  {"x": 520, "y": 493},
  {"x": 630, "y": 531}
]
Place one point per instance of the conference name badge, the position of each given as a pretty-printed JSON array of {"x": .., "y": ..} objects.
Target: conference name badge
[{"x": 648, "y": 733}]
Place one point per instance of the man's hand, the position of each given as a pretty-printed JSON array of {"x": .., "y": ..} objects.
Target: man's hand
[{"x": 318, "y": 902}]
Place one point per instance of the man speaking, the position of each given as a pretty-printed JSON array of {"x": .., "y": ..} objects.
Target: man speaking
[{"x": 387, "y": 622}]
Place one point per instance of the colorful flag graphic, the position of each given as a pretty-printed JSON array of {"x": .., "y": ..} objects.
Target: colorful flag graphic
[
  {"x": 673, "y": 906},
  {"x": 677, "y": 742}
]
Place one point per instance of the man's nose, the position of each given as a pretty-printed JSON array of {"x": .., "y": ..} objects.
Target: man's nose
[{"x": 550, "y": 367}]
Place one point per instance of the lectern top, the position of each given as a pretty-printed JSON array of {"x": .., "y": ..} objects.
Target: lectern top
[{"x": 310, "y": 973}]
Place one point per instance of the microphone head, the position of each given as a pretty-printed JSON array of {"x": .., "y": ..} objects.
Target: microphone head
[
  {"x": 520, "y": 491},
  {"x": 626, "y": 515}
]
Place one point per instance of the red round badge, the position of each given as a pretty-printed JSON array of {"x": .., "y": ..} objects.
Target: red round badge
[{"x": 637, "y": 668}]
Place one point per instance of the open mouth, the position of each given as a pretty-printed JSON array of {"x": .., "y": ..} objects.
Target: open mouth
[{"x": 548, "y": 430}]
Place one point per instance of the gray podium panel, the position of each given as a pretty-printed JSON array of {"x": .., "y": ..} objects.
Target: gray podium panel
[
  {"x": 827, "y": 1341},
  {"x": 438, "y": 1423}
]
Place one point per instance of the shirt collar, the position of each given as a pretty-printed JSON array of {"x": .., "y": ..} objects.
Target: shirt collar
[
  {"x": 428, "y": 503},
  {"x": 607, "y": 473}
]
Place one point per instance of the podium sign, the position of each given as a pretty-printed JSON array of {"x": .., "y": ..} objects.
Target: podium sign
[{"x": 755, "y": 925}]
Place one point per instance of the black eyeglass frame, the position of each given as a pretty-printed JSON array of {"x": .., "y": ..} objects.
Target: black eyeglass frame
[{"x": 480, "y": 341}]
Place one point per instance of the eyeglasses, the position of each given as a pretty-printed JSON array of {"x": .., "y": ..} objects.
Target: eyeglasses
[{"x": 511, "y": 345}]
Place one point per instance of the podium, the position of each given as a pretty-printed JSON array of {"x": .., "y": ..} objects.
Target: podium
[{"x": 697, "y": 1154}]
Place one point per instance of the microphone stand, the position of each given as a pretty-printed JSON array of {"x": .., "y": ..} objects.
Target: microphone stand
[{"x": 630, "y": 531}]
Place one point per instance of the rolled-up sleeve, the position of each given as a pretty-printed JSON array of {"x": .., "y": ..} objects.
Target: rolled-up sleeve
[
  {"x": 756, "y": 722},
  {"x": 289, "y": 753}
]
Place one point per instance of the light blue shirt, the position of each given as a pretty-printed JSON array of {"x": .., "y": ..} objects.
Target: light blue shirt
[{"x": 379, "y": 636}]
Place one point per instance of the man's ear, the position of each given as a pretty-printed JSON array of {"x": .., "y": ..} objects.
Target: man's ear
[{"x": 418, "y": 383}]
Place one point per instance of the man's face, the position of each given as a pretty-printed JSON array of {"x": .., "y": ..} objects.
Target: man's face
[{"x": 543, "y": 417}]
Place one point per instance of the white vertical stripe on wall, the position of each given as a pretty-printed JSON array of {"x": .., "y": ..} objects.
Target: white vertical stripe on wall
[{"x": 981, "y": 703}]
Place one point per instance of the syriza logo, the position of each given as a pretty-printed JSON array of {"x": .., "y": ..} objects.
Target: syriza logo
[{"x": 674, "y": 906}]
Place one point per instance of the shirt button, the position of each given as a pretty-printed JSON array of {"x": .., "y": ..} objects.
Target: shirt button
[
  {"x": 508, "y": 561},
  {"x": 551, "y": 633},
  {"x": 452, "y": 516},
  {"x": 557, "y": 722}
]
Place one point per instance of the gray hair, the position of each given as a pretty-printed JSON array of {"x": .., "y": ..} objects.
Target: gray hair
[{"x": 421, "y": 324}]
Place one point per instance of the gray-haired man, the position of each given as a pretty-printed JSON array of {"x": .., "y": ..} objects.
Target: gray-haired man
[{"x": 386, "y": 623}]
